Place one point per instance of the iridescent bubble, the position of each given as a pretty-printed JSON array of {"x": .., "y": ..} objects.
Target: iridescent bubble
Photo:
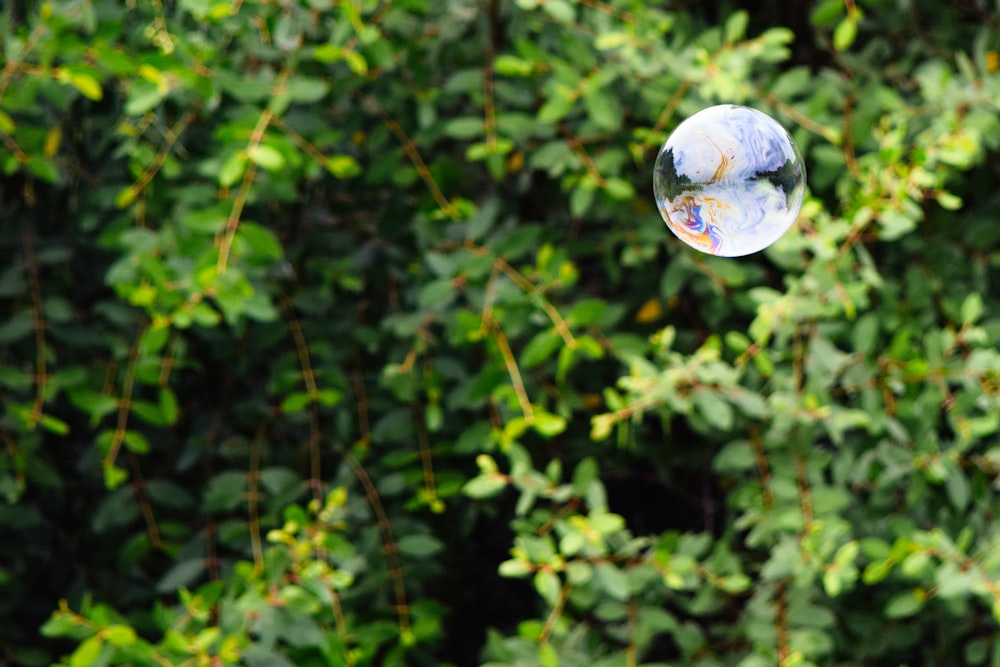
[{"x": 729, "y": 181}]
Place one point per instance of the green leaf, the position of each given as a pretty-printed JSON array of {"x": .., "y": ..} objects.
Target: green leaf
[
  {"x": 560, "y": 10},
  {"x": 826, "y": 13},
  {"x": 113, "y": 476},
  {"x": 225, "y": 491},
  {"x": 619, "y": 189},
  {"x": 485, "y": 486},
  {"x": 53, "y": 424},
  {"x": 547, "y": 656},
  {"x": 7, "y": 125},
  {"x": 716, "y": 410},
  {"x": 558, "y": 106},
  {"x": 602, "y": 108},
  {"x": 972, "y": 308},
  {"x": 608, "y": 41},
  {"x": 735, "y": 458},
  {"x": 136, "y": 442},
  {"x": 464, "y": 128},
  {"x": 119, "y": 635},
  {"x": 182, "y": 574},
  {"x": 342, "y": 166},
  {"x": 18, "y": 327},
  {"x": 736, "y": 25},
  {"x": 232, "y": 169},
  {"x": 419, "y": 545},
  {"x": 958, "y": 489},
  {"x": 144, "y": 96},
  {"x": 169, "y": 407},
  {"x": 436, "y": 294},
  {"x": 87, "y": 653},
  {"x": 43, "y": 168},
  {"x": 540, "y": 348},
  {"x": 306, "y": 90},
  {"x": 904, "y": 605},
  {"x": 265, "y": 156},
  {"x": 584, "y": 475},
  {"x": 735, "y": 583},
  {"x": 612, "y": 580},
  {"x": 169, "y": 494},
  {"x": 207, "y": 220},
  {"x": 515, "y": 569},
  {"x": 548, "y": 425},
  {"x": 126, "y": 196},
  {"x": 547, "y": 585},
  {"x": 261, "y": 241},
  {"x": 845, "y": 32},
  {"x": 87, "y": 85},
  {"x": 510, "y": 65}
]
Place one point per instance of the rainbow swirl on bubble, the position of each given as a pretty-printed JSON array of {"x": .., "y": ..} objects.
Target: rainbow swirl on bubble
[{"x": 729, "y": 181}]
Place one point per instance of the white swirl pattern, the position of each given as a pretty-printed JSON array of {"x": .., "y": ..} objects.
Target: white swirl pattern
[{"x": 729, "y": 181}]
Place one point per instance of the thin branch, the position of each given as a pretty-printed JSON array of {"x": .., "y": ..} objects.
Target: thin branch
[
  {"x": 256, "y": 137},
  {"x": 489, "y": 110},
  {"x": 142, "y": 498},
  {"x": 309, "y": 378},
  {"x": 125, "y": 402},
  {"x": 512, "y": 369},
  {"x": 413, "y": 154},
  {"x": 172, "y": 136},
  {"x": 800, "y": 118},
  {"x": 554, "y": 614},
  {"x": 605, "y": 8},
  {"x": 576, "y": 145},
  {"x": 38, "y": 324},
  {"x": 233, "y": 221},
  {"x": 253, "y": 498},
  {"x": 389, "y": 545},
  {"x": 341, "y": 624},
  {"x": 763, "y": 469},
  {"x": 426, "y": 457},
  {"x": 528, "y": 287},
  {"x": 781, "y": 627},
  {"x": 668, "y": 111},
  {"x": 12, "y": 65},
  {"x": 801, "y": 473},
  {"x": 631, "y": 650}
]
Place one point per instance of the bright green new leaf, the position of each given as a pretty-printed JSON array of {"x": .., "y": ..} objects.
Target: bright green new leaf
[
  {"x": 265, "y": 156},
  {"x": 232, "y": 169}
]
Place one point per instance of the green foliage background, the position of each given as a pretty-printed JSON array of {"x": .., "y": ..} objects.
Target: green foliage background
[{"x": 337, "y": 333}]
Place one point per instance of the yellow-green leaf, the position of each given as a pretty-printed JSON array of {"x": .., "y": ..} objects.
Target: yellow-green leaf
[
  {"x": 6, "y": 123},
  {"x": 232, "y": 169},
  {"x": 87, "y": 85},
  {"x": 267, "y": 157}
]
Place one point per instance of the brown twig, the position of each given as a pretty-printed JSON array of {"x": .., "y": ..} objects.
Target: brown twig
[
  {"x": 389, "y": 545},
  {"x": 554, "y": 614},
  {"x": 309, "y": 379},
  {"x": 763, "y": 469},
  {"x": 512, "y": 369},
  {"x": 38, "y": 324},
  {"x": 426, "y": 457},
  {"x": 125, "y": 402},
  {"x": 410, "y": 149},
  {"x": 142, "y": 498},
  {"x": 780, "y": 623},
  {"x": 631, "y": 651},
  {"x": 253, "y": 498}
]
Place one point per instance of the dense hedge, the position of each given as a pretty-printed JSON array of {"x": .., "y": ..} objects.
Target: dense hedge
[{"x": 347, "y": 333}]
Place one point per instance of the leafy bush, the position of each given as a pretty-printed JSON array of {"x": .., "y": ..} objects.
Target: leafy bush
[{"x": 324, "y": 323}]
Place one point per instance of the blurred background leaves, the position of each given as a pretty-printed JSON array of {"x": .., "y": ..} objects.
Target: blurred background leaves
[{"x": 347, "y": 333}]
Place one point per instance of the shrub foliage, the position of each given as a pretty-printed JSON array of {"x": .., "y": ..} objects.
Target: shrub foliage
[{"x": 347, "y": 333}]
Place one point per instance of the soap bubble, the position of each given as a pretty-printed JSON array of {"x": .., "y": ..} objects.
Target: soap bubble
[{"x": 729, "y": 181}]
